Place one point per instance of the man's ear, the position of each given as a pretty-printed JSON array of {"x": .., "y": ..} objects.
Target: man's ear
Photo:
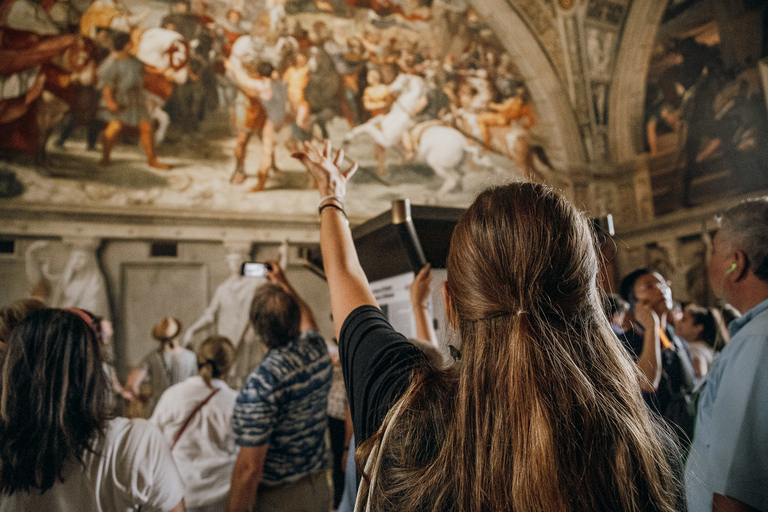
[
  {"x": 450, "y": 317},
  {"x": 740, "y": 272}
]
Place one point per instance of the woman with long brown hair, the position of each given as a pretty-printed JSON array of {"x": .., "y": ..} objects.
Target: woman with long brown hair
[
  {"x": 60, "y": 447},
  {"x": 542, "y": 412}
]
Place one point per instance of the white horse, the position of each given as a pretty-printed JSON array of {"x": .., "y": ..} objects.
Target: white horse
[
  {"x": 386, "y": 130},
  {"x": 441, "y": 147},
  {"x": 444, "y": 149}
]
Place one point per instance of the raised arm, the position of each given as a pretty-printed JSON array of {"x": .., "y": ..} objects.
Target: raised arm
[
  {"x": 252, "y": 87},
  {"x": 346, "y": 279},
  {"x": 206, "y": 319},
  {"x": 649, "y": 360}
]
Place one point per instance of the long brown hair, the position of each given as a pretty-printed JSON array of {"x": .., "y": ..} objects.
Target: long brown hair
[
  {"x": 543, "y": 412},
  {"x": 54, "y": 399}
]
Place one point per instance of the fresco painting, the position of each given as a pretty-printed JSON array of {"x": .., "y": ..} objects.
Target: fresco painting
[
  {"x": 706, "y": 124},
  {"x": 198, "y": 106}
]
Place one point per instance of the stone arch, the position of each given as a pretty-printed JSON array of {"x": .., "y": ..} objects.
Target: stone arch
[
  {"x": 555, "y": 114},
  {"x": 627, "y": 97}
]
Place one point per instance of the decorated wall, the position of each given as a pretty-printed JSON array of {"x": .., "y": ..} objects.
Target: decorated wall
[
  {"x": 202, "y": 104},
  {"x": 706, "y": 121}
]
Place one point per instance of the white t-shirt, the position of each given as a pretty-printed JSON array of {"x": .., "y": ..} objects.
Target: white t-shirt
[
  {"x": 132, "y": 469},
  {"x": 205, "y": 453}
]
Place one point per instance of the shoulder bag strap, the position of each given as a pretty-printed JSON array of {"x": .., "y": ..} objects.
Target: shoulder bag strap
[
  {"x": 192, "y": 415},
  {"x": 166, "y": 369},
  {"x": 373, "y": 463}
]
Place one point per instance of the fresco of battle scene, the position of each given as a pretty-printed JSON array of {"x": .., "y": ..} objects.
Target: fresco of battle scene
[
  {"x": 706, "y": 124},
  {"x": 199, "y": 105}
]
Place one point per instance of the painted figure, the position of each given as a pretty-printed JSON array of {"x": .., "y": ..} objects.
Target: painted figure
[
  {"x": 29, "y": 39},
  {"x": 121, "y": 80}
]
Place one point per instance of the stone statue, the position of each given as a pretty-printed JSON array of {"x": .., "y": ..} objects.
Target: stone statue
[
  {"x": 81, "y": 285},
  {"x": 230, "y": 304},
  {"x": 229, "y": 309}
]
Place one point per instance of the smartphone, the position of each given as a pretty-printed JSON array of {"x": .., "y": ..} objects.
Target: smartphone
[{"x": 251, "y": 269}]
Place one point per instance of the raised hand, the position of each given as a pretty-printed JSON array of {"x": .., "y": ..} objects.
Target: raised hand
[
  {"x": 275, "y": 274},
  {"x": 325, "y": 169},
  {"x": 645, "y": 314},
  {"x": 420, "y": 288}
]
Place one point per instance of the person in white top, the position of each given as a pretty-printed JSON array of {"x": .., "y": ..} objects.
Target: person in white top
[
  {"x": 60, "y": 450},
  {"x": 194, "y": 416}
]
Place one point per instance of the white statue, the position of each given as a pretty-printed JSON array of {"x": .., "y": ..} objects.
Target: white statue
[
  {"x": 230, "y": 304},
  {"x": 81, "y": 285}
]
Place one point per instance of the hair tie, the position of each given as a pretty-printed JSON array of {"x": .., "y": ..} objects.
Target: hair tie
[{"x": 207, "y": 362}]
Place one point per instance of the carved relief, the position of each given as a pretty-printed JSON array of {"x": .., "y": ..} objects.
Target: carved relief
[
  {"x": 605, "y": 11},
  {"x": 600, "y": 48},
  {"x": 600, "y": 102},
  {"x": 599, "y": 146},
  {"x": 577, "y": 75},
  {"x": 80, "y": 285}
]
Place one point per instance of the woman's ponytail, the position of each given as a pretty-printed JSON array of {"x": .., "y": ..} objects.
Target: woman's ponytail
[{"x": 214, "y": 358}]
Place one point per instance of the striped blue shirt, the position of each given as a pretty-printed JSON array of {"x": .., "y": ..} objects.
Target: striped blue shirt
[{"x": 284, "y": 403}]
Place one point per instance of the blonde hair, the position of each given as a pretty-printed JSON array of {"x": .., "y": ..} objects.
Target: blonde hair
[
  {"x": 543, "y": 412},
  {"x": 214, "y": 358}
]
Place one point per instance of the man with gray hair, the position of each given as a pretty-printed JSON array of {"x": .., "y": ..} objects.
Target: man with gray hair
[{"x": 727, "y": 469}]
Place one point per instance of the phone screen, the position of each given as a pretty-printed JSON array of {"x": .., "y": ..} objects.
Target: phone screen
[{"x": 250, "y": 269}]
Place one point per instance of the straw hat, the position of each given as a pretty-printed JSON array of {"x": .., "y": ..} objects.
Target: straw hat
[{"x": 166, "y": 329}]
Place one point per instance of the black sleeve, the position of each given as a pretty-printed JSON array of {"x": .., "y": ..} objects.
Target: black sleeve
[{"x": 377, "y": 362}]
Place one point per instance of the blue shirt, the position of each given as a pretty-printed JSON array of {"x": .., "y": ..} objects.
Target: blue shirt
[
  {"x": 729, "y": 455},
  {"x": 284, "y": 403}
]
